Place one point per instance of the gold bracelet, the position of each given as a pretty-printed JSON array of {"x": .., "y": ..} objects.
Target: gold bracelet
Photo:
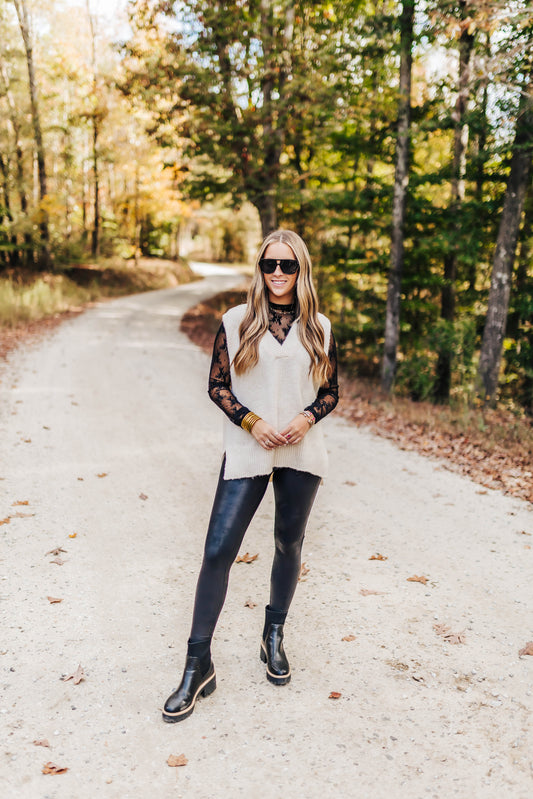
[
  {"x": 309, "y": 416},
  {"x": 249, "y": 420}
]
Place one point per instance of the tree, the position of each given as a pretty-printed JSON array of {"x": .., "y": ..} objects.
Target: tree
[
  {"x": 460, "y": 139},
  {"x": 504, "y": 253},
  {"x": 232, "y": 83},
  {"x": 401, "y": 180},
  {"x": 24, "y": 19}
]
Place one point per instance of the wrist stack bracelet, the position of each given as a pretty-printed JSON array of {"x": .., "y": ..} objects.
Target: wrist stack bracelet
[
  {"x": 249, "y": 420},
  {"x": 310, "y": 418}
]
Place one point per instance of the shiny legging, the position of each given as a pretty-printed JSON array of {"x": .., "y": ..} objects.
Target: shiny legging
[{"x": 236, "y": 502}]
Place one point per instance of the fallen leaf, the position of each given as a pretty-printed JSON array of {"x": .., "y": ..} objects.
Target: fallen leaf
[
  {"x": 51, "y": 768},
  {"x": 6, "y": 520},
  {"x": 246, "y": 558},
  {"x": 334, "y": 695},
  {"x": 177, "y": 760},
  {"x": 102, "y": 474},
  {"x": 445, "y": 632},
  {"x": 416, "y": 579},
  {"x": 250, "y": 604},
  {"x": 455, "y": 638},
  {"x": 76, "y": 677},
  {"x": 349, "y": 637},
  {"x": 21, "y": 502},
  {"x": 58, "y": 561},
  {"x": 527, "y": 650},
  {"x": 369, "y": 592},
  {"x": 378, "y": 557},
  {"x": 482, "y": 492},
  {"x": 55, "y": 551},
  {"x": 80, "y": 478},
  {"x": 19, "y": 515},
  {"x": 42, "y": 742},
  {"x": 143, "y": 496},
  {"x": 349, "y": 483},
  {"x": 27, "y": 440},
  {"x": 53, "y": 600},
  {"x": 304, "y": 571},
  {"x": 72, "y": 535}
]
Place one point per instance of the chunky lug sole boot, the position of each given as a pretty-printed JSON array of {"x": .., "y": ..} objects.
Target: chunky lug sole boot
[
  {"x": 273, "y": 654},
  {"x": 180, "y": 704}
]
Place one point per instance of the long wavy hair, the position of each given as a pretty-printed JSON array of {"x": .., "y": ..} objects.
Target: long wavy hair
[{"x": 255, "y": 322}]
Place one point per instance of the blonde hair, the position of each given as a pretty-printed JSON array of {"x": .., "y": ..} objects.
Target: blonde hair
[{"x": 255, "y": 322}]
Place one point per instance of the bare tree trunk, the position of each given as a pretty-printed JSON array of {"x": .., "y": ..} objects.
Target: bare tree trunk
[
  {"x": 95, "y": 239},
  {"x": 460, "y": 140},
  {"x": 25, "y": 29},
  {"x": 401, "y": 180},
  {"x": 504, "y": 254}
]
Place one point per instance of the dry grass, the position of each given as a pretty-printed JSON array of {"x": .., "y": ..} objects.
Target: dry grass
[{"x": 33, "y": 302}]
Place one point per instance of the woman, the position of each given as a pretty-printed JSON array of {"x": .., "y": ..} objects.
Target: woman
[{"x": 274, "y": 374}]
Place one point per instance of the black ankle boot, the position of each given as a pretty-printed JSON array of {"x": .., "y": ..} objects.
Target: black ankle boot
[
  {"x": 194, "y": 683},
  {"x": 272, "y": 652}
]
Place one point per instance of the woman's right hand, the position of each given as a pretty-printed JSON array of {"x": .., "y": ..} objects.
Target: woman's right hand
[{"x": 266, "y": 436}]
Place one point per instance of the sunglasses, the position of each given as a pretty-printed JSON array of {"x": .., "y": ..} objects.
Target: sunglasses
[{"x": 287, "y": 265}]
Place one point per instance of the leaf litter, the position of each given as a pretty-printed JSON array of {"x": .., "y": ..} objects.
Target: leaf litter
[
  {"x": 444, "y": 630},
  {"x": 246, "y": 558},
  {"x": 51, "y": 768},
  {"x": 76, "y": 677},
  {"x": 177, "y": 760}
]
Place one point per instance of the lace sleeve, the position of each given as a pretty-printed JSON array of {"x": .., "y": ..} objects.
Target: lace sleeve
[
  {"x": 328, "y": 394},
  {"x": 220, "y": 381}
]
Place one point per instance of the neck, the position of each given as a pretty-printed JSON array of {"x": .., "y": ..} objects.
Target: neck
[{"x": 284, "y": 304}]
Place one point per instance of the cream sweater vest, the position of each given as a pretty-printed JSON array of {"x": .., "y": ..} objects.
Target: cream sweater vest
[{"x": 276, "y": 389}]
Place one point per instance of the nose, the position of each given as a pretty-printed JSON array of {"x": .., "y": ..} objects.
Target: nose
[{"x": 278, "y": 270}]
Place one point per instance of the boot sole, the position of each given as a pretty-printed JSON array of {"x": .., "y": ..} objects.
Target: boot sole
[
  {"x": 205, "y": 689},
  {"x": 275, "y": 679}
]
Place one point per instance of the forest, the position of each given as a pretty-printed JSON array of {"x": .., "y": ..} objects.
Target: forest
[{"x": 395, "y": 137}]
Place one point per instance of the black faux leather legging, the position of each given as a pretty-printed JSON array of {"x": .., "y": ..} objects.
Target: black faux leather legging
[{"x": 236, "y": 502}]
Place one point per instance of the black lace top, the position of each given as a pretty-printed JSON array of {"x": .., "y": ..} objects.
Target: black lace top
[{"x": 280, "y": 319}]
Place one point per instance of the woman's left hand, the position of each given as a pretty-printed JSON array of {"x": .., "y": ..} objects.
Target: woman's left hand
[{"x": 296, "y": 429}]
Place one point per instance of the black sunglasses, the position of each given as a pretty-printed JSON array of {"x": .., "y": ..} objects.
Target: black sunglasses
[{"x": 287, "y": 265}]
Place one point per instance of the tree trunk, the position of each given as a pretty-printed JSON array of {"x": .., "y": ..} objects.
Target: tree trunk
[
  {"x": 460, "y": 140},
  {"x": 401, "y": 180},
  {"x": 504, "y": 253},
  {"x": 24, "y": 24},
  {"x": 481, "y": 155},
  {"x": 95, "y": 239},
  {"x": 19, "y": 156},
  {"x": 6, "y": 218}
]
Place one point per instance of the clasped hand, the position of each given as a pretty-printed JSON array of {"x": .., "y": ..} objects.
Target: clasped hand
[{"x": 269, "y": 438}]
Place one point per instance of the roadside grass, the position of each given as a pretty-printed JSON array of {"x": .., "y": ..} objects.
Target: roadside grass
[
  {"x": 31, "y": 296},
  {"x": 494, "y": 447}
]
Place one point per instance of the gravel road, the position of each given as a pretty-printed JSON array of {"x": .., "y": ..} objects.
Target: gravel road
[{"x": 109, "y": 451}]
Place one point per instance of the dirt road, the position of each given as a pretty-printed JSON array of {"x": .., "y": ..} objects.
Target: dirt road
[{"x": 109, "y": 452}]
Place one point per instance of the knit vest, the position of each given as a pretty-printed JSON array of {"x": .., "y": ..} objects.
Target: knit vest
[{"x": 277, "y": 388}]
